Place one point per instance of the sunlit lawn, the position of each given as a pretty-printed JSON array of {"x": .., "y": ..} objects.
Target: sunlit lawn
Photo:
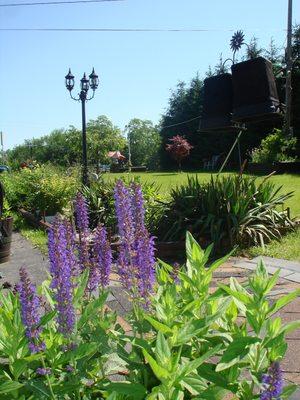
[{"x": 168, "y": 180}]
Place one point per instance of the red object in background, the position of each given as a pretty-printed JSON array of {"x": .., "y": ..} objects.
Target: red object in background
[
  {"x": 116, "y": 155},
  {"x": 24, "y": 165},
  {"x": 179, "y": 148}
]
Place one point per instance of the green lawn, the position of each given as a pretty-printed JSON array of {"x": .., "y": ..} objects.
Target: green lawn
[
  {"x": 288, "y": 247},
  {"x": 167, "y": 180}
]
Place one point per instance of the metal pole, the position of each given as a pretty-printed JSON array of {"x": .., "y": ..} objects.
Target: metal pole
[
  {"x": 129, "y": 152},
  {"x": 2, "y": 147},
  {"x": 84, "y": 147},
  {"x": 289, "y": 65},
  {"x": 230, "y": 151}
]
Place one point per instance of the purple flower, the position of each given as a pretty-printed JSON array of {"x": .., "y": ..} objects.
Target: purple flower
[
  {"x": 43, "y": 371},
  {"x": 272, "y": 383},
  {"x": 30, "y": 311},
  {"x": 101, "y": 261},
  {"x": 62, "y": 271},
  {"x": 136, "y": 257},
  {"x": 69, "y": 368},
  {"x": 81, "y": 213}
]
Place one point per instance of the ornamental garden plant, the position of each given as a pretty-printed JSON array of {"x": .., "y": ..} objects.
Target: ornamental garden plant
[{"x": 58, "y": 341}]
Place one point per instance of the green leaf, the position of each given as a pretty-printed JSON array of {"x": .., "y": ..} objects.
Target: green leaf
[
  {"x": 18, "y": 367},
  {"x": 160, "y": 372},
  {"x": 10, "y": 386},
  {"x": 81, "y": 287},
  {"x": 159, "y": 326},
  {"x": 162, "y": 350},
  {"x": 283, "y": 301},
  {"x": 136, "y": 390},
  {"x": 235, "y": 351},
  {"x": 290, "y": 327},
  {"x": 194, "y": 384},
  {"x": 92, "y": 309},
  {"x": 193, "y": 365},
  {"x": 214, "y": 393},
  {"x": 288, "y": 391}
]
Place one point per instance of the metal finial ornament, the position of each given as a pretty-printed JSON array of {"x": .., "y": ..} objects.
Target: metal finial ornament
[{"x": 237, "y": 41}]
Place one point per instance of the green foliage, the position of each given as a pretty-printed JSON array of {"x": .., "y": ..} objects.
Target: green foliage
[
  {"x": 190, "y": 343},
  {"x": 145, "y": 143},
  {"x": 229, "y": 211},
  {"x": 64, "y": 146},
  {"x": 275, "y": 147},
  {"x": 100, "y": 197},
  {"x": 43, "y": 189}
]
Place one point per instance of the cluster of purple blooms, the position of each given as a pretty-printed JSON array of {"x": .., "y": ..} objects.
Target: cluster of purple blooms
[
  {"x": 30, "y": 311},
  {"x": 62, "y": 268},
  {"x": 272, "y": 383},
  {"x": 136, "y": 259}
]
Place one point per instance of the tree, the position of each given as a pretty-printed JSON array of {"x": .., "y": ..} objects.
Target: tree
[
  {"x": 64, "y": 146},
  {"x": 179, "y": 148},
  {"x": 145, "y": 143}
]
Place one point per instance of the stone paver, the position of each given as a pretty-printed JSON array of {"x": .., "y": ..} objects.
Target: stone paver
[{"x": 23, "y": 254}]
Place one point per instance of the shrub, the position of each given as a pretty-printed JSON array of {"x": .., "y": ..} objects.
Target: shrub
[
  {"x": 100, "y": 197},
  {"x": 43, "y": 189},
  {"x": 228, "y": 211},
  {"x": 275, "y": 147}
]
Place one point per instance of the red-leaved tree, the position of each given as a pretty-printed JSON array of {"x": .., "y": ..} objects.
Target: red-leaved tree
[{"x": 179, "y": 148}]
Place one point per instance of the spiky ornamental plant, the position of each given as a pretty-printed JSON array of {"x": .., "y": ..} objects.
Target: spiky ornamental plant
[{"x": 179, "y": 148}]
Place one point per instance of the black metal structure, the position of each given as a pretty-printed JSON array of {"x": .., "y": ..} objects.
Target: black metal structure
[
  {"x": 85, "y": 85},
  {"x": 218, "y": 104},
  {"x": 255, "y": 95}
]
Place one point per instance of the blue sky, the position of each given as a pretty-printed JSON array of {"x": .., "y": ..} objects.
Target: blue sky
[{"x": 136, "y": 70}]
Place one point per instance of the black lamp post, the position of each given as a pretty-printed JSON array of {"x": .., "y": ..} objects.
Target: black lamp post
[{"x": 85, "y": 85}]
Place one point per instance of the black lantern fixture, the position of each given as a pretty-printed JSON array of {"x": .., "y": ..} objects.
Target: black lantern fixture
[
  {"x": 69, "y": 80},
  {"x": 94, "y": 80},
  {"x": 85, "y": 84}
]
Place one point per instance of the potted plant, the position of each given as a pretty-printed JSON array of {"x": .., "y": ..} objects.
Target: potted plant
[{"x": 6, "y": 227}]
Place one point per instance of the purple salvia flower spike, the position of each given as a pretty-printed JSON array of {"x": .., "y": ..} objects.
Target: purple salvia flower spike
[
  {"x": 136, "y": 257},
  {"x": 30, "y": 311},
  {"x": 81, "y": 213},
  {"x": 62, "y": 271},
  {"x": 273, "y": 383},
  {"x": 102, "y": 260}
]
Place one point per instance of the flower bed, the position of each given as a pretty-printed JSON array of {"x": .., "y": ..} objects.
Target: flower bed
[{"x": 188, "y": 342}]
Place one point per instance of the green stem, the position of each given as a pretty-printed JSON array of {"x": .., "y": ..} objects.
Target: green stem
[{"x": 48, "y": 380}]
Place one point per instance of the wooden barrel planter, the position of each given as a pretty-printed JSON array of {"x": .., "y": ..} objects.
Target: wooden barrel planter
[{"x": 6, "y": 227}]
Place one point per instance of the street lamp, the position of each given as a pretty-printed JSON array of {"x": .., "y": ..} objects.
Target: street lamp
[{"x": 85, "y": 84}]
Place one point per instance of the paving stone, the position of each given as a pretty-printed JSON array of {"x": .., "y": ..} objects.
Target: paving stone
[
  {"x": 295, "y": 277},
  {"x": 23, "y": 254},
  {"x": 291, "y": 363},
  {"x": 279, "y": 263}
]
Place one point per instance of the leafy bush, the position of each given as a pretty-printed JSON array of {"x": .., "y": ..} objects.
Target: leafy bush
[
  {"x": 275, "y": 147},
  {"x": 188, "y": 344},
  {"x": 100, "y": 197},
  {"x": 228, "y": 211},
  {"x": 43, "y": 189}
]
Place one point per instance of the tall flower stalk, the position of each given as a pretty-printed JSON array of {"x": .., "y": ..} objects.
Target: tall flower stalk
[
  {"x": 101, "y": 260},
  {"x": 30, "y": 311},
  {"x": 136, "y": 254},
  {"x": 62, "y": 266}
]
